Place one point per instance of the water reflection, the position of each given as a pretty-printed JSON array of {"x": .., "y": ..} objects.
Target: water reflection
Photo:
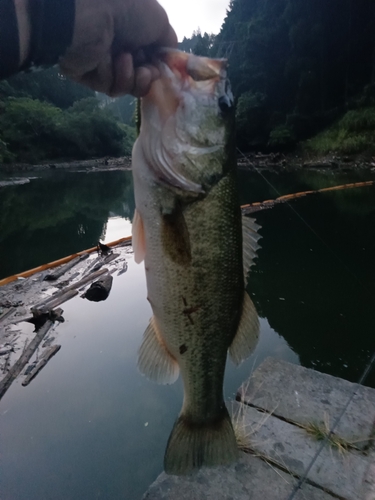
[
  {"x": 316, "y": 286},
  {"x": 59, "y": 214},
  {"x": 116, "y": 228},
  {"x": 90, "y": 426}
]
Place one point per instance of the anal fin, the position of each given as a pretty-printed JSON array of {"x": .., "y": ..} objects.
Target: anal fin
[
  {"x": 138, "y": 238},
  {"x": 247, "y": 334},
  {"x": 154, "y": 360}
]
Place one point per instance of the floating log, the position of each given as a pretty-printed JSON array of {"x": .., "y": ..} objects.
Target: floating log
[
  {"x": 65, "y": 268},
  {"x": 100, "y": 289},
  {"x": 46, "y": 357},
  {"x": 65, "y": 294},
  {"x": 52, "y": 302},
  {"x": 87, "y": 279},
  {"x": 7, "y": 314},
  {"x": 25, "y": 357},
  {"x": 109, "y": 258}
]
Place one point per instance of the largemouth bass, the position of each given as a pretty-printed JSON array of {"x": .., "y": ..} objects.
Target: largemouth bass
[{"x": 189, "y": 232}]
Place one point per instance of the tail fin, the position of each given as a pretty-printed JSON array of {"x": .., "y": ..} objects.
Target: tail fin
[{"x": 192, "y": 445}]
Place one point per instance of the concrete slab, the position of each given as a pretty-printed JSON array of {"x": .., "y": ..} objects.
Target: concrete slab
[
  {"x": 306, "y": 396},
  {"x": 292, "y": 449},
  {"x": 250, "y": 479},
  {"x": 368, "y": 486}
]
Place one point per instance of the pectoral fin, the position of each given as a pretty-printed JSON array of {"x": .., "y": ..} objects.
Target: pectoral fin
[
  {"x": 247, "y": 334},
  {"x": 250, "y": 239},
  {"x": 138, "y": 238},
  {"x": 154, "y": 359}
]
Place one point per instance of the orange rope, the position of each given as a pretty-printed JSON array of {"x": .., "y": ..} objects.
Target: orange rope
[
  {"x": 58, "y": 262},
  {"x": 292, "y": 196}
]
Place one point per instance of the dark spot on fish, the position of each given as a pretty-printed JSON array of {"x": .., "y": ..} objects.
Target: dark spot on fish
[
  {"x": 183, "y": 349},
  {"x": 184, "y": 301},
  {"x": 189, "y": 311},
  {"x": 175, "y": 237}
]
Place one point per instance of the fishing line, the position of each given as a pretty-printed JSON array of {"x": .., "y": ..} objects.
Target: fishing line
[
  {"x": 334, "y": 254},
  {"x": 303, "y": 479},
  {"x": 367, "y": 369}
]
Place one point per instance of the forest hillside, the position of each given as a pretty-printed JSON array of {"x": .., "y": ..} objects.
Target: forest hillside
[
  {"x": 44, "y": 116},
  {"x": 296, "y": 68}
]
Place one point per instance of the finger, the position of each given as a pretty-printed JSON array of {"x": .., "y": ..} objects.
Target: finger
[
  {"x": 168, "y": 38},
  {"x": 144, "y": 76},
  {"x": 124, "y": 77},
  {"x": 100, "y": 78}
]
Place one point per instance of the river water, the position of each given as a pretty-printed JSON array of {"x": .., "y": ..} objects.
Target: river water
[{"x": 90, "y": 426}]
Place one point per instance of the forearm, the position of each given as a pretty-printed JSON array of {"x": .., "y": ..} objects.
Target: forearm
[
  {"x": 15, "y": 35},
  {"x": 107, "y": 45},
  {"x": 34, "y": 33},
  {"x": 24, "y": 29}
]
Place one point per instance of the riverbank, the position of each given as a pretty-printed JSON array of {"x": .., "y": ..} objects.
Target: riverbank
[
  {"x": 300, "y": 160},
  {"x": 94, "y": 164},
  {"x": 278, "y": 161}
]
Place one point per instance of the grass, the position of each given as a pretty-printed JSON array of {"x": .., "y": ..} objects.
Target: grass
[
  {"x": 322, "y": 431},
  {"x": 244, "y": 430},
  {"x": 353, "y": 133}
]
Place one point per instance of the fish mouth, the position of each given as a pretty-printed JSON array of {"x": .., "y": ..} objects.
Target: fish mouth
[
  {"x": 198, "y": 68},
  {"x": 187, "y": 82}
]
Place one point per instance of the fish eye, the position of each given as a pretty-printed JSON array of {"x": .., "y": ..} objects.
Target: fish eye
[{"x": 224, "y": 103}]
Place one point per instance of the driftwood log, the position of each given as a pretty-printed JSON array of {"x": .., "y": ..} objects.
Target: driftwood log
[
  {"x": 100, "y": 289},
  {"x": 7, "y": 314},
  {"x": 25, "y": 357},
  {"x": 65, "y": 268},
  {"x": 46, "y": 357},
  {"x": 66, "y": 294},
  {"x": 54, "y": 301},
  {"x": 103, "y": 262}
]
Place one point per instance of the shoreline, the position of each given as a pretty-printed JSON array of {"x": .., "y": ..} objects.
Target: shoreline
[
  {"x": 251, "y": 160},
  {"x": 94, "y": 164}
]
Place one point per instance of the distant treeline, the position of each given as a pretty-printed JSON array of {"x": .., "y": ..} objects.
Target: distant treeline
[
  {"x": 296, "y": 67},
  {"x": 44, "y": 116}
]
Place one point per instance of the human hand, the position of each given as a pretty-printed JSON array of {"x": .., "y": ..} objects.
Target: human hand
[{"x": 113, "y": 42}]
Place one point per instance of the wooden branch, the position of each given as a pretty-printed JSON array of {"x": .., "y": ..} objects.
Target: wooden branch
[
  {"x": 66, "y": 294},
  {"x": 52, "y": 302},
  {"x": 87, "y": 279},
  {"x": 65, "y": 268},
  {"x": 7, "y": 314},
  {"x": 19, "y": 365},
  {"x": 105, "y": 261},
  {"x": 46, "y": 357}
]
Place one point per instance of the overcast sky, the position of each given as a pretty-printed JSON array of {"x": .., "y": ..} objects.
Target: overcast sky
[{"x": 187, "y": 15}]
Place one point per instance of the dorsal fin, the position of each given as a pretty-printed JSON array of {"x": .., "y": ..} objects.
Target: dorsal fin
[{"x": 250, "y": 239}]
